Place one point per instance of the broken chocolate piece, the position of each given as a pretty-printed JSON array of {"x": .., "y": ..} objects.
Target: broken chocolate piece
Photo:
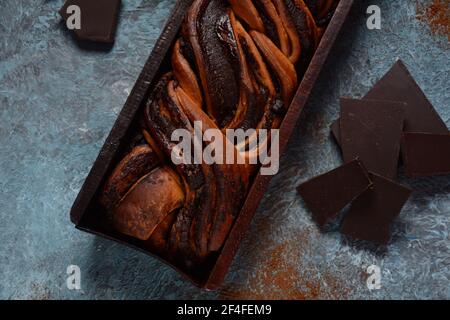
[
  {"x": 98, "y": 19},
  {"x": 371, "y": 131},
  {"x": 331, "y": 192},
  {"x": 426, "y": 154},
  {"x": 371, "y": 215},
  {"x": 399, "y": 85}
]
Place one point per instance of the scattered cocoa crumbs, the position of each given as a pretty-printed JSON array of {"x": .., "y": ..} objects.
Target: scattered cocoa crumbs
[
  {"x": 437, "y": 15},
  {"x": 282, "y": 275},
  {"x": 39, "y": 292}
]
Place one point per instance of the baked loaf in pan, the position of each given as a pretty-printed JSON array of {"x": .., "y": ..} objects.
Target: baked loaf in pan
[{"x": 236, "y": 64}]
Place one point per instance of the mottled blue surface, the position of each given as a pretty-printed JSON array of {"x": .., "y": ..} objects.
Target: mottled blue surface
[{"x": 58, "y": 103}]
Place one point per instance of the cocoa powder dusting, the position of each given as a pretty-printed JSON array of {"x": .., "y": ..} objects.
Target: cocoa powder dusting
[
  {"x": 281, "y": 275},
  {"x": 437, "y": 15}
]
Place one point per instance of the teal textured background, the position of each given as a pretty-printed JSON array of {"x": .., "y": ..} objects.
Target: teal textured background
[{"x": 58, "y": 103}]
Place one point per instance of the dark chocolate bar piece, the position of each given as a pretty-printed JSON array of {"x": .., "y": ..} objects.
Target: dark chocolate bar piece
[
  {"x": 371, "y": 215},
  {"x": 371, "y": 130},
  {"x": 98, "y": 19},
  {"x": 399, "y": 85},
  {"x": 426, "y": 154},
  {"x": 328, "y": 194}
]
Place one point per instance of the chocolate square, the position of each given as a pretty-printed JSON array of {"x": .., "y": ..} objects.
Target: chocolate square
[
  {"x": 426, "y": 154},
  {"x": 399, "y": 85},
  {"x": 371, "y": 130},
  {"x": 371, "y": 215},
  {"x": 328, "y": 194}
]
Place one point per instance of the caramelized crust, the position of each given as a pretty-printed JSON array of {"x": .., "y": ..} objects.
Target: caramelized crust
[
  {"x": 248, "y": 13},
  {"x": 148, "y": 203},
  {"x": 283, "y": 67},
  {"x": 141, "y": 160}
]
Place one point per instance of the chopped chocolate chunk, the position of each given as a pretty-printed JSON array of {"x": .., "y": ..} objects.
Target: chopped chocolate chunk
[
  {"x": 331, "y": 192},
  {"x": 371, "y": 215},
  {"x": 426, "y": 154},
  {"x": 98, "y": 19},
  {"x": 371, "y": 131},
  {"x": 399, "y": 85}
]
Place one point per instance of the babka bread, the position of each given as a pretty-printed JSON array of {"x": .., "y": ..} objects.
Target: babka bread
[{"x": 235, "y": 64}]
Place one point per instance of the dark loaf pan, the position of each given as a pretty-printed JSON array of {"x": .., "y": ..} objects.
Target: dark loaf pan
[{"x": 85, "y": 210}]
